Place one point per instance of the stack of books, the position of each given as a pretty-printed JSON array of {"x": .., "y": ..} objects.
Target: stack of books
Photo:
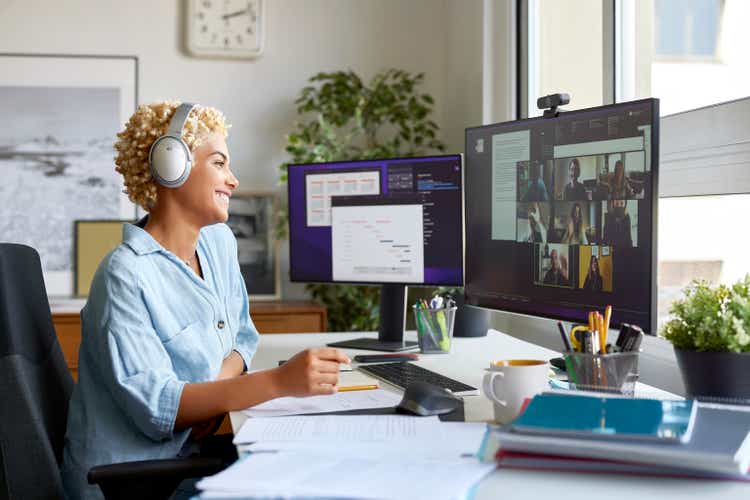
[{"x": 619, "y": 435}]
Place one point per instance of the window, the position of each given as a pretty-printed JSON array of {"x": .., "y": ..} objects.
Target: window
[
  {"x": 692, "y": 54},
  {"x": 565, "y": 52},
  {"x": 688, "y": 53},
  {"x": 700, "y": 237},
  {"x": 686, "y": 28}
]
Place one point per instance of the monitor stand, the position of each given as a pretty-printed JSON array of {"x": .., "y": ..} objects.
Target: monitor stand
[{"x": 392, "y": 324}]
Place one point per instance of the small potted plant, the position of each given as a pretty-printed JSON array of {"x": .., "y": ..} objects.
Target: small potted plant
[{"x": 710, "y": 332}]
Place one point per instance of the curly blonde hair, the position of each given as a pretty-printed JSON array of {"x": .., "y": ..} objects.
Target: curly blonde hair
[{"x": 149, "y": 122}]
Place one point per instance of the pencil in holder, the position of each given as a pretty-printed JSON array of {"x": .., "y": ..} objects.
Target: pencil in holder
[
  {"x": 614, "y": 373},
  {"x": 435, "y": 329}
]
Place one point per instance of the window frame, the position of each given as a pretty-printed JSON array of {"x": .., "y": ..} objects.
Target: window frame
[{"x": 527, "y": 21}]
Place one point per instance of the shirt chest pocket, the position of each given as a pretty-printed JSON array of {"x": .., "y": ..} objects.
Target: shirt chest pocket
[{"x": 195, "y": 352}]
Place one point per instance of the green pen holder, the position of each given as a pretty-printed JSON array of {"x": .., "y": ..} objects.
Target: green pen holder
[
  {"x": 614, "y": 373},
  {"x": 435, "y": 329}
]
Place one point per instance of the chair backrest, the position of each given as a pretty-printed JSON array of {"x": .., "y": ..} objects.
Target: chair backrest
[{"x": 35, "y": 383}]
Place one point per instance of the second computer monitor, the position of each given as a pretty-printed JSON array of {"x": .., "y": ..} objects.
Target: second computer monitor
[
  {"x": 393, "y": 222},
  {"x": 377, "y": 221},
  {"x": 561, "y": 214}
]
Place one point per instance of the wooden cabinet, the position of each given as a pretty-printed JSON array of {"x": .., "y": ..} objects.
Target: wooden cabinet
[{"x": 269, "y": 317}]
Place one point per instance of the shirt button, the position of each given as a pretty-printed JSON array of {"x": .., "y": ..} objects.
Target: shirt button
[{"x": 220, "y": 324}]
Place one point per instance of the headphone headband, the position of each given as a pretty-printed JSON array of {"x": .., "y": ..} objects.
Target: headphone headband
[{"x": 179, "y": 118}]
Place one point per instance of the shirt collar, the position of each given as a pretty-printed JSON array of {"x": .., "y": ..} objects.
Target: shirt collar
[{"x": 137, "y": 238}]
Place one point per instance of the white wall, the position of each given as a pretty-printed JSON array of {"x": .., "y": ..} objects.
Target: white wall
[
  {"x": 439, "y": 37},
  {"x": 303, "y": 37}
]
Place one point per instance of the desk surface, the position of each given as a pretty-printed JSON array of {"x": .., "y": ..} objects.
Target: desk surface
[{"x": 466, "y": 363}]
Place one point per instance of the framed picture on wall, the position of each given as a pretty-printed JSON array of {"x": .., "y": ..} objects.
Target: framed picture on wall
[
  {"x": 252, "y": 220},
  {"x": 60, "y": 117},
  {"x": 94, "y": 239}
]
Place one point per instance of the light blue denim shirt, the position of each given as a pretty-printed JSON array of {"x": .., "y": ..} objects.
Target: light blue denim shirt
[{"x": 150, "y": 326}]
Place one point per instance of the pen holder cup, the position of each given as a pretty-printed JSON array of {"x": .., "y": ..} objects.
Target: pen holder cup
[
  {"x": 435, "y": 329},
  {"x": 613, "y": 373}
]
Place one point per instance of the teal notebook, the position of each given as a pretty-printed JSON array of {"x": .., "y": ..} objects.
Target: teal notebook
[{"x": 608, "y": 418}]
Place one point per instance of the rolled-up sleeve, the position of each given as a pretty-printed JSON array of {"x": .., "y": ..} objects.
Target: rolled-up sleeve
[{"x": 132, "y": 359}]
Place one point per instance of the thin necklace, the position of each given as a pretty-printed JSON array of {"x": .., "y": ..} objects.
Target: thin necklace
[{"x": 189, "y": 262}]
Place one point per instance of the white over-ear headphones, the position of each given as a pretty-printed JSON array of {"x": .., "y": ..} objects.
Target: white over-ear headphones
[{"x": 170, "y": 158}]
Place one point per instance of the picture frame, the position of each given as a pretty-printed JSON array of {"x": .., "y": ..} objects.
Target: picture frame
[
  {"x": 94, "y": 239},
  {"x": 252, "y": 218},
  {"x": 61, "y": 114}
]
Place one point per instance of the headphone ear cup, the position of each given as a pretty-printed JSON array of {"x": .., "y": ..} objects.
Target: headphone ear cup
[{"x": 170, "y": 160}]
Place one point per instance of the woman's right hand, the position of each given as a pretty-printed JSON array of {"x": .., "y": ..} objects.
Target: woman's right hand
[{"x": 311, "y": 372}]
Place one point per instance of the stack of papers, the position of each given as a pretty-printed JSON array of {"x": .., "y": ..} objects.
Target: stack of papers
[
  {"x": 322, "y": 475},
  {"x": 340, "y": 401},
  {"x": 353, "y": 456}
]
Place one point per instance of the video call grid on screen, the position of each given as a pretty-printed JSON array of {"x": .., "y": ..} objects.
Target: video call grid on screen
[
  {"x": 561, "y": 214},
  {"x": 407, "y": 212}
]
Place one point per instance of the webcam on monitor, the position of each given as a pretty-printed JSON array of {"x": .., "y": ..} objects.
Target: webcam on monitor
[{"x": 550, "y": 103}]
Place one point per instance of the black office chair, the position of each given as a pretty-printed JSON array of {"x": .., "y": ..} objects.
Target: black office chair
[{"x": 35, "y": 387}]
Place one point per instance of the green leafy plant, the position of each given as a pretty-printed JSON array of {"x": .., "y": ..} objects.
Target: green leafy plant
[
  {"x": 711, "y": 318},
  {"x": 349, "y": 119}
]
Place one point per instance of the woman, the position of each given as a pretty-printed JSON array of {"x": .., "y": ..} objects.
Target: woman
[
  {"x": 537, "y": 233},
  {"x": 620, "y": 188},
  {"x": 166, "y": 331},
  {"x": 575, "y": 233},
  {"x": 593, "y": 281}
]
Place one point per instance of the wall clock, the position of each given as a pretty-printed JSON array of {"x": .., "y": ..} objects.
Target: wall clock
[{"x": 225, "y": 28}]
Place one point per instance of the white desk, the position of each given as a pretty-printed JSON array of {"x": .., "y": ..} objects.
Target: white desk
[{"x": 466, "y": 363}]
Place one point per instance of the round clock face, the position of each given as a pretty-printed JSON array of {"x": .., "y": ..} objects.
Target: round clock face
[{"x": 230, "y": 28}]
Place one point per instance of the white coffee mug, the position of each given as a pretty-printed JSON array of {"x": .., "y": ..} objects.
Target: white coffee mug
[{"x": 508, "y": 383}]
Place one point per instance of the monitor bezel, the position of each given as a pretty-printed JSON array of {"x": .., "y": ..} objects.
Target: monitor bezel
[
  {"x": 458, "y": 156},
  {"x": 479, "y": 301}
]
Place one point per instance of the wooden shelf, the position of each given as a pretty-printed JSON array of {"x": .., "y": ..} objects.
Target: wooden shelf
[{"x": 269, "y": 317}]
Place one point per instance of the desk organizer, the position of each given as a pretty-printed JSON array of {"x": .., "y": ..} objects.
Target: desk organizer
[
  {"x": 435, "y": 329},
  {"x": 612, "y": 373}
]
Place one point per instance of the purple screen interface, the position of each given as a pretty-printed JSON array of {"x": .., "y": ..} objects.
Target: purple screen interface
[{"x": 377, "y": 221}]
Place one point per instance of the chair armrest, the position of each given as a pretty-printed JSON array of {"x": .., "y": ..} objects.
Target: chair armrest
[
  {"x": 148, "y": 469},
  {"x": 154, "y": 478}
]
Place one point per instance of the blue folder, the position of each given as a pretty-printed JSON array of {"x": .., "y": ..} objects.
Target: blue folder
[{"x": 608, "y": 418}]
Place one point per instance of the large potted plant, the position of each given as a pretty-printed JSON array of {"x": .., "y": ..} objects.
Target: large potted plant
[
  {"x": 345, "y": 118},
  {"x": 710, "y": 332}
]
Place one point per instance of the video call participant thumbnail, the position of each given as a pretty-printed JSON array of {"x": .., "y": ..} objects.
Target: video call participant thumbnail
[
  {"x": 619, "y": 230},
  {"x": 553, "y": 265},
  {"x": 532, "y": 222},
  {"x": 595, "y": 265},
  {"x": 574, "y": 223},
  {"x": 534, "y": 179},
  {"x": 574, "y": 189}
]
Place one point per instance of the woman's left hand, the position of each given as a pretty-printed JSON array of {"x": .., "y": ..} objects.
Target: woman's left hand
[
  {"x": 205, "y": 429},
  {"x": 232, "y": 366}
]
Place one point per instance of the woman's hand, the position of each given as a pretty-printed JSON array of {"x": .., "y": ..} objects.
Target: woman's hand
[
  {"x": 207, "y": 428},
  {"x": 310, "y": 372},
  {"x": 232, "y": 366}
]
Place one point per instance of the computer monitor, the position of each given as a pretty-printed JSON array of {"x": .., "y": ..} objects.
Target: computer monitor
[
  {"x": 562, "y": 213},
  {"x": 392, "y": 222}
]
